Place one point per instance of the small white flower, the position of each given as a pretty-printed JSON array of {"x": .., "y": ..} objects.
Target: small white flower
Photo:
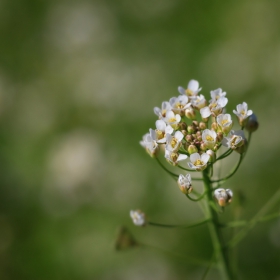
[
  {"x": 198, "y": 101},
  {"x": 191, "y": 90},
  {"x": 150, "y": 144},
  {"x": 172, "y": 119},
  {"x": 179, "y": 104},
  {"x": 174, "y": 157},
  {"x": 138, "y": 217},
  {"x": 173, "y": 143},
  {"x": 234, "y": 140},
  {"x": 223, "y": 197},
  {"x": 185, "y": 183},
  {"x": 224, "y": 123},
  {"x": 161, "y": 113},
  {"x": 198, "y": 162},
  {"x": 242, "y": 112},
  {"x": 209, "y": 138},
  {"x": 161, "y": 130},
  {"x": 217, "y": 93},
  {"x": 214, "y": 108}
]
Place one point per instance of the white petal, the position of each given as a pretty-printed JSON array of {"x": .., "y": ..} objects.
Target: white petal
[
  {"x": 249, "y": 113},
  {"x": 182, "y": 157},
  {"x": 205, "y": 112},
  {"x": 192, "y": 166},
  {"x": 194, "y": 157},
  {"x": 193, "y": 85},
  {"x": 157, "y": 111},
  {"x": 205, "y": 157},
  {"x": 160, "y": 125},
  {"x": 181, "y": 90},
  {"x": 178, "y": 118},
  {"x": 169, "y": 129},
  {"x": 179, "y": 135}
]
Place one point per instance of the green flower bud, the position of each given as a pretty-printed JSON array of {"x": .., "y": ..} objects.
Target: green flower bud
[
  {"x": 192, "y": 149},
  {"x": 252, "y": 123}
]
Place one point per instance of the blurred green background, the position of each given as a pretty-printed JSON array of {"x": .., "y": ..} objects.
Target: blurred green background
[{"x": 78, "y": 83}]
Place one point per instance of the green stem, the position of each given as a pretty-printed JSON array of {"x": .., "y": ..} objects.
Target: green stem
[
  {"x": 180, "y": 226},
  {"x": 232, "y": 172},
  {"x": 215, "y": 231}
]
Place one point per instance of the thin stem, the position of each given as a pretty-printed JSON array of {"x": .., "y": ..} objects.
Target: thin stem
[
  {"x": 232, "y": 172},
  {"x": 215, "y": 231},
  {"x": 190, "y": 170},
  {"x": 199, "y": 223},
  {"x": 169, "y": 172},
  {"x": 196, "y": 199}
]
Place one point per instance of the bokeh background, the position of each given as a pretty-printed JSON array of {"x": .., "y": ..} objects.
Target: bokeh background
[{"x": 78, "y": 83}]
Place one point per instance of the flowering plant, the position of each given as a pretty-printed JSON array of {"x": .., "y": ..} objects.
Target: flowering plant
[{"x": 194, "y": 129}]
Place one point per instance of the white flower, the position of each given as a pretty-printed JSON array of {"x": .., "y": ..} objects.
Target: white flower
[
  {"x": 179, "y": 104},
  {"x": 209, "y": 138},
  {"x": 198, "y": 162},
  {"x": 138, "y": 217},
  {"x": 150, "y": 144},
  {"x": 217, "y": 93},
  {"x": 161, "y": 113},
  {"x": 185, "y": 183},
  {"x": 174, "y": 157},
  {"x": 242, "y": 112},
  {"x": 161, "y": 130},
  {"x": 198, "y": 101},
  {"x": 214, "y": 108},
  {"x": 234, "y": 140},
  {"x": 223, "y": 197},
  {"x": 192, "y": 89},
  {"x": 224, "y": 123},
  {"x": 173, "y": 143},
  {"x": 172, "y": 119}
]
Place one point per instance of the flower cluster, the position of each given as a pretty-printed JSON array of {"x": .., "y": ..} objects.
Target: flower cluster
[
  {"x": 183, "y": 134},
  {"x": 192, "y": 127}
]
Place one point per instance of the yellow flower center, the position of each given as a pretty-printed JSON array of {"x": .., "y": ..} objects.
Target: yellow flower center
[
  {"x": 174, "y": 157},
  {"x": 172, "y": 120},
  {"x": 160, "y": 134},
  {"x": 198, "y": 162},
  {"x": 189, "y": 92},
  {"x": 209, "y": 138},
  {"x": 223, "y": 122},
  {"x": 173, "y": 142}
]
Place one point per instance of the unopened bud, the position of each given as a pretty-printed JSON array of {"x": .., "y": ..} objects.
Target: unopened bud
[
  {"x": 252, "y": 123},
  {"x": 212, "y": 155},
  {"x": 220, "y": 136},
  {"x": 191, "y": 129},
  {"x": 182, "y": 125},
  {"x": 185, "y": 184},
  {"x": 192, "y": 149},
  {"x": 203, "y": 147},
  {"x": 223, "y": 197},
  {"x": 195, "y": 123},
  {"x": 202, "y": 125},
  {"x": 189, "y": 138},
  {"x": 190, "y": 113},
  {"x": 214, "y": 126}
]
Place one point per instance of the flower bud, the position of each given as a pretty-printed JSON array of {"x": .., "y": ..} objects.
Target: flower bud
[
  {"x": 202, "y": 125},
  {"x": 252, "y": 123},
  {"x": 182, "y": 126},
  {"x": 192, "y": 149},
  {"x": 212, "y": 155},
  {"x": 191, "y": 129},
  {"x": 223, "y": 197},
  {"x": 203, "y": 147},
  {"x": 214, "y": 126},
  {"x": 220, "y": 136},
  {"x": 190, "y": 113},
  {"x": 185, "y": 184},
  {"x": 195, "y": 123},
  {"x": 189, "y": 138}
]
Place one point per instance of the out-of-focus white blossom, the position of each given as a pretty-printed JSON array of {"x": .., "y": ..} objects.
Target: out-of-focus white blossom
[
  {"x": 192, "y": 89},
  {"x": 242, "y": 112},
  {"x": 173, "y": 143},
  {"x": 217, "y": 93},
  {"x": 234, "y": 140},
  {"x": 174, "y": 157},
  {"x": 224, "y": 123},
  {"x": 209, "y": 138},
  {"x": 150, "y": 144},
  {"x": 179, "y": 104},
  {"x": 138, "y": 217},
  {"x": 172, "y": 119},
  {"x": 214, "y": 108}
]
